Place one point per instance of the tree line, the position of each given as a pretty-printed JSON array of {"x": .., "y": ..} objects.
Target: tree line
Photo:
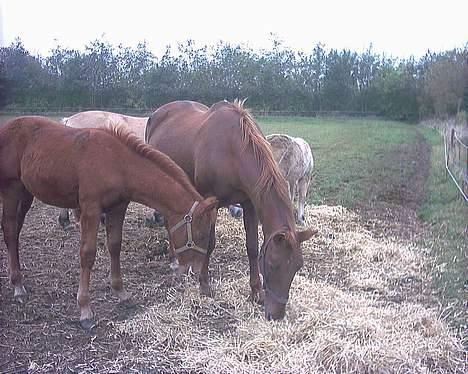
[{"x": 275, "y": 79}]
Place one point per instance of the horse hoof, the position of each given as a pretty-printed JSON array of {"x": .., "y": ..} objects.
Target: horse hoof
[
  {"x": 235, "y": 211},
  {"x": 128, "y": 304},
  {"x": 257, "y": 297},
  {"x": 20, "y": 294},
  {"x": 122, "y": 295},
  {"x": 68, "y": 227},
  {"x": 206, "y": 291},
  {"x": 21, "y": 299},
  {"x": 87, "y": 324},
  {"x": 152, "y": 223}
]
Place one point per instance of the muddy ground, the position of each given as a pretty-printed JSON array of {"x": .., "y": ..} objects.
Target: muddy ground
[{"x": 44, "y": 334}]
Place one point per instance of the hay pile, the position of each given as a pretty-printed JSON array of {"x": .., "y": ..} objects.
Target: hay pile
[{"x": 354, "y": 307}]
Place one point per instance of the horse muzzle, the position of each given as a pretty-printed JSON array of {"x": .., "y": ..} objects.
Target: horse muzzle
[
  {"x": 274, "y": 311},
  {"x": 185, "y": 269}
]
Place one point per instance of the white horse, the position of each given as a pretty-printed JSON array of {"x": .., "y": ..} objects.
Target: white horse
[
  {"x": 296, "y": 162},
  {"x": 100, "y": 119}
]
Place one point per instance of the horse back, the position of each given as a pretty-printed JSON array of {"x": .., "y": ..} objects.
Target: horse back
[
  {"x": 102, "y": 119},
  {"x": 53, "y": 161},
  {"x": 173, "y": 129},
  {"x": 201, "y": 141}
]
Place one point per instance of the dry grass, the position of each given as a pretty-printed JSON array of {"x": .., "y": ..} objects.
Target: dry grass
[{"x": 372, "y": 321}]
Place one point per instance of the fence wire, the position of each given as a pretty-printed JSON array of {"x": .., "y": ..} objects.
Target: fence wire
[{"x": 456, "y": 156}]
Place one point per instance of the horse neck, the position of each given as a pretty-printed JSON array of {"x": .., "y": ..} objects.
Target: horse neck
[
  {"x": 152, "y": 186},
  {"x": 274, "y": 211}
]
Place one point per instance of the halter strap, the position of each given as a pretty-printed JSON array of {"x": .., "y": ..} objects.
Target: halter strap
[
  {"x": 266, "y": 287},
  {"x": 187, "y": 220}
]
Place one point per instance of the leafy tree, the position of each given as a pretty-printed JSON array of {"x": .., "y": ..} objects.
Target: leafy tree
[
  {"x": 24, "y": 75},
  {"x": 445, "y": 83},
  {"x": 278, "y": 78},
  {"x": 4, "y": 88},
  {"x": 340, "y": 82}
]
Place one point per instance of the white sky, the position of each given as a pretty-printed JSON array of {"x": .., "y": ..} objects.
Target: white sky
[{"x": 399, "y": 28}]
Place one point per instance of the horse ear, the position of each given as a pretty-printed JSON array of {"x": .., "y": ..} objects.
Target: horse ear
[
  {"x": 302, "y": 236},
  {"x": 208, "y": 204}
]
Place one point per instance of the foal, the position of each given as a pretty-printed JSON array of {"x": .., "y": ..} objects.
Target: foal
[{"x": 98, "y": 171}]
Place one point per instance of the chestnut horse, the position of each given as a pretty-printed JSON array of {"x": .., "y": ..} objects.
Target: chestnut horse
[
  {"x": 97, "y": 170},
  {"x": 225, "y": 154},
  {"x": 100, "y": 119}
]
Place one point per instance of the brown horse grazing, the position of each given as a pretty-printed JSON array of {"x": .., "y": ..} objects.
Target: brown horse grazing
[
  {"x": 97, "y": 170},
  {"x": 100, "y": 119},
  {"x": 225, "y": 154}
]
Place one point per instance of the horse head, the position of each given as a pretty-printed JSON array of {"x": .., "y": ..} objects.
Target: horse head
[
  {"x": 190, "y": 236},
  {"x": 280, "y": 259}
]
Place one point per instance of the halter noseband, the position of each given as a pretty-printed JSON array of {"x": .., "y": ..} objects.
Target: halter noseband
[
  {"x": 275, "y": 297},
  {"x": 187, "y": 220}
]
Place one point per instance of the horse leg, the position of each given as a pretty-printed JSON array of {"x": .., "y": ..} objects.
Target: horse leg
[
  {"x": 114, "y": 222},
  {"x": 89, "y": 223},
  {"x": 64, "y": 219},
  {"x": 205, "y": 288},
  {"x": 23, "y": 209},
  {"x": 251, "y": 233},
  {"x": 303, "y": 186},
  {"x": 77, "y": 214},
  {"x": 235, "y": 210},
  {"x": 25, "y": 205},
  {"x": 16, "y": 204}
]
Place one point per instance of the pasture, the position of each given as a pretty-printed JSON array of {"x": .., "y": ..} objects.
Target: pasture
[{"x": 365, "y": 300}]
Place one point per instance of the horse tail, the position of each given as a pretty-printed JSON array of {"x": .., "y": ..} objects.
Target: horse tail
[
  {"x": 153, "y": 120},
  {"x": 64, "y": 120},
  {"x": 145, "y": 133}
]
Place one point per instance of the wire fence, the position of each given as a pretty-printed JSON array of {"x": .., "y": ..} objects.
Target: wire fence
[
  {"x": 456, "y": 161},
  {"x": 144, "y": 112}
]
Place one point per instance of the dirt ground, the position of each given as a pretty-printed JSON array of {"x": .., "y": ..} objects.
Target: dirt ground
[{"x": 43, "y": 333}]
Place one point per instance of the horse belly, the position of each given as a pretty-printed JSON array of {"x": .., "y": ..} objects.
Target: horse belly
[
  {"x": 52, "y": 185},
  {"x": 51, "y": 191}
]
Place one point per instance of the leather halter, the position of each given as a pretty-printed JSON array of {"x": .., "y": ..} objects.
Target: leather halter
[
  {"x": 187, "y": 220},
  {"x": 262, "y": 259}
]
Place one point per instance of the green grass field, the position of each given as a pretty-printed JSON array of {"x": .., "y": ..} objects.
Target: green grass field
[{"x": 348, "y": 153}]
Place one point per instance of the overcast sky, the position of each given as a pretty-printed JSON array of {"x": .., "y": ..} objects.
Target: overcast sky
[{"x": 399, "y": 28}]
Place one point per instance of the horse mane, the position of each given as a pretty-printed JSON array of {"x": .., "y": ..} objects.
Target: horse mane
[
  {"x": 270, "y": 176},
  {"x": 158, "y": 158}
]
